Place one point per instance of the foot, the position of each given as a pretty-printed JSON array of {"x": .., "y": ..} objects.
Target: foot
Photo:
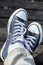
[
  {"x": 16, "y": 31},
  {"x": 33, "y": 36}
]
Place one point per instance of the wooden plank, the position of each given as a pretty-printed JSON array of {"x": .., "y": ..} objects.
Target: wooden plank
[
  {"x": 1, "y": 63},
  {"x": 38, "y": 50},
  {"x": 39, "y": 63},
  {"x": 2, "y": 38},
  {"x": 40, "y": 22},
  {"x": 13, "y": 0},
  {"x": 3, "y": 34},
  {"x": 32, "y": 14},
  {"x": 38, "y": 55},
  {"x": 3, "y": 22},
  {"x": 3, "y": 31},
  {"x": 5, "y": 13},
  {"x": 35, "y": 15},
  {"x": 1, "y": 44},
  {"x": 24, "y": 0},
  {"x": 39, "y": 0},
  {"x": 22, "y": 4}
]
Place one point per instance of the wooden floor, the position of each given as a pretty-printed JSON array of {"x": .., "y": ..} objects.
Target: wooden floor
[{"x": 35, "y": 13}]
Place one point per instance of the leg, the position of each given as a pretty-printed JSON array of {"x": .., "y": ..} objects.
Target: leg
[
  {"x": 19, "y": 56},
  {"x": 16, "y": 30}
]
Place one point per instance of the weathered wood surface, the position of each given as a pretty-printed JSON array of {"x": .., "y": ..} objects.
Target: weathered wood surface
[
  {"x": 1, "y": 63},
  {"x": 21, "y": 3},
  {"x": 35, "y": 13}
]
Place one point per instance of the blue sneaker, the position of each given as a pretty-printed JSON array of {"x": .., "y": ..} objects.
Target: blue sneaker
[
  {"x": 33, "y": 36},
  {"x": 16, "y": 31}
]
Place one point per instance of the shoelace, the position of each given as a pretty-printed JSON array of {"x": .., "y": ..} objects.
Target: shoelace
[
  {"x": 30, "y": 43},
  {"x": 18, "y": 29}
]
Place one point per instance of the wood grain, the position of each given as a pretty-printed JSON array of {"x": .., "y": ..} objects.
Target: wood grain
[
  {"x": 35, "y": 14},
  {"x": 22, "y": 4}
]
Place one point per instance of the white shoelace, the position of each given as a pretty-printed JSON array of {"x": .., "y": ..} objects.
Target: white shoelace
[
  {"x": 18, "y": 30},
  {"x": 30, "y": 43}
]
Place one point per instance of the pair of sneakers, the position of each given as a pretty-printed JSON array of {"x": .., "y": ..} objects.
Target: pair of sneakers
[{"x": 20, "y": 36}]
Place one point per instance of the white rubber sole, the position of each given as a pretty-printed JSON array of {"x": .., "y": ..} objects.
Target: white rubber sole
[
  {"x": 40, "y": 28},
  {"x": 8, "y": 26}
]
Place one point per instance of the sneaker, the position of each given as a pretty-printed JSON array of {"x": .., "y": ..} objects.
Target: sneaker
[
  {"x": 16, "y": 31},
  {"x": 33, "y": 36}
]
